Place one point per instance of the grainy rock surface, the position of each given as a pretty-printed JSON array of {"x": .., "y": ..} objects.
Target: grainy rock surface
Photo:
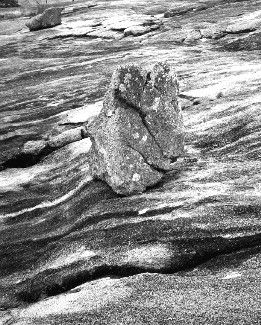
[
  {"x": 49, "y": 18},
  {"x": 139, "y": 132},
  {"x": 8, "y": 3},
  {"x": 34, "y": 147},
  {"x": 185, "y": 251},
  {"x": 139, "y": 30},
  {"x": 65, "y": 138}
]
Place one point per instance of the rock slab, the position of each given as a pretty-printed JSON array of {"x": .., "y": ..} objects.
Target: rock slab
[
  {"x": 139, "y": 132},
  {"x": 49, "y": 18}
]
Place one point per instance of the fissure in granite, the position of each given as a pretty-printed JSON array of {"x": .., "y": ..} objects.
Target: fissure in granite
[
  {"x": 141, "y": 113},
  {"x": 195, "y": 252}
]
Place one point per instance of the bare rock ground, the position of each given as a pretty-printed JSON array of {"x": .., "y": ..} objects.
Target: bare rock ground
[{"x": 186, "y": 251}]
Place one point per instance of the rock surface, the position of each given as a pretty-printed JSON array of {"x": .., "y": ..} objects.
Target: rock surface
[
  {"x": 139, "y": 30},
  {"x": 181, "y": 10},
  {"x": 8, "y": 3},
  {"x": 247, "y": 23},
  {"x": 214, "y": 32},
  {"x": 49, "y": 18},
  {"x": 140, "y": 131},
  {"x": 249, "y": 42},
  {"x": 192, "y": 36},
  {"x": 186, "y": 251},
  {"x": 34, "y": 147},
  {"x": 65, "y": 138}
]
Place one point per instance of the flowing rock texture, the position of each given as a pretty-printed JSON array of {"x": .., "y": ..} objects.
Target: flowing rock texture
[
  {"x": 188, "y": 249},
  {"x": 139, "y": 132}
]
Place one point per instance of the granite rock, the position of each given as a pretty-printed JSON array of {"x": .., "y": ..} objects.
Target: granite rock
[
  {"x": 139, "y": 132},
  {"x": 49, "y": 18},
  {"x": 34, "y": 147},
  {"x": 65, "y": 138}
]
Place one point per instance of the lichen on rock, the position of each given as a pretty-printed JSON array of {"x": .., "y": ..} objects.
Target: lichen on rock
[{"x": 139, "y": 133}]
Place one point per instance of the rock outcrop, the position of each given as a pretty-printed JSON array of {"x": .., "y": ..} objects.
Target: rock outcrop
[
  {"x": 72, "y": 251},
  {"x": 8, "y": 3},
  {"x": 49, "y": 18},
  {"x": 139, "y": 133}
]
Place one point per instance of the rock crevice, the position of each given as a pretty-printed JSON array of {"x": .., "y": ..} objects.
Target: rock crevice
[{"x": 139, "y": 132}]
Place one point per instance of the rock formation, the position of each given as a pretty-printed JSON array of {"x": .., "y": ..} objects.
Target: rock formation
[
  {"x": 49, "y": 18},
  {"x": 139, "y": 133},
  {"x": 72, "y": 251},
  {"x": 8, "y": 3}
]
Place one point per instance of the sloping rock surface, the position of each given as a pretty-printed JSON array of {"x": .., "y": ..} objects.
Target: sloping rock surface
[
  {"x": 187, "y": 250},
  {"x": 139, "y": 132}
]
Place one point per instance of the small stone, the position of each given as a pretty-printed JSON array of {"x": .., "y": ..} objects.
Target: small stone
[
  {"x": 213, "y": 32},
  {"x": 65, "y": 138},
  {"x": 192, "y": 36},
  {"x": 139, "y": 30},
  {"x": 34, "y": 147},
  {"x": 104, "y": 33}
]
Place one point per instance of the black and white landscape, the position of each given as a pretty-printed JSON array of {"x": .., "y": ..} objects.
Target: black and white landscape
[{"x": 180, "y": 245}]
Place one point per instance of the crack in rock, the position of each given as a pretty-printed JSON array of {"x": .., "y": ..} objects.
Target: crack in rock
[
  {"x": 35, "y": 150},
  {"x": 155, "y": 257},
  {"x": 139, "y": 127},
  {"x": 142, "y": 116}
]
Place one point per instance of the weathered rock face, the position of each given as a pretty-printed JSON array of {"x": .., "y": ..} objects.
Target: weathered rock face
[
  {"x": 65, "y": 138},
  {"x": 69, "y": 242},
  {"x": 192, "y": 36},
  {"x": 49, "y": 18},
  {"x": 34, "y": 147},
  {"x": 139, "y": 132},
  {"x": 8, "y": 3},
  {"x": 248, "y": 42}
]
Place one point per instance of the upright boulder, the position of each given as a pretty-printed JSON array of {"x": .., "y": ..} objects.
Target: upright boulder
[
  {"x": 138, "y": 134},
  {"x": 49, "y": 18}
]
